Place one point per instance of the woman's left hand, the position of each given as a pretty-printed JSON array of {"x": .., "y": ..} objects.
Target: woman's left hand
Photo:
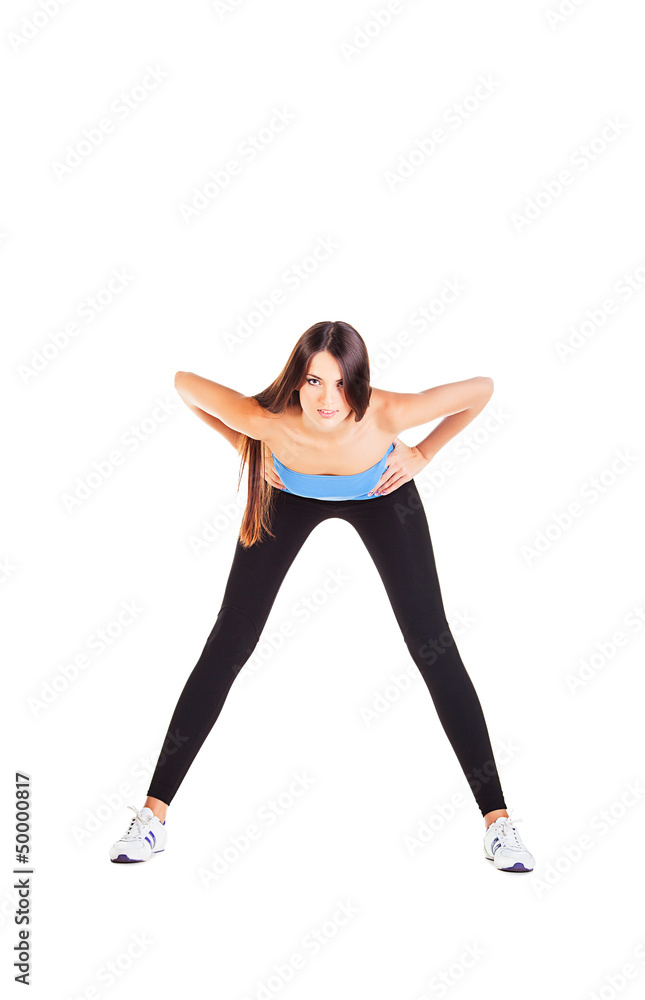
[{"x": 404, "y": 463}]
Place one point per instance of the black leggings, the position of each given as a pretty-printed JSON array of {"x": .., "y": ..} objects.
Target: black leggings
[{"x": 395, "y": 531}]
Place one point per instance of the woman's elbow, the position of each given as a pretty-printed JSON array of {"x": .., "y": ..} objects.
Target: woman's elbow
[{"x": 179, "y": 377}]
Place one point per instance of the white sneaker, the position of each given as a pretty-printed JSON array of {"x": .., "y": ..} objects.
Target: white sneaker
[
  {"x": 145, "y": 836},
  {"x": 503, "y": 845}
]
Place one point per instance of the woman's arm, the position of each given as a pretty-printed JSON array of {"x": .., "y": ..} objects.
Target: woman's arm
[
  {"x": 218, "y": 425},
  {"x": 241, "y": 413},
  {"x": 457, "y": 402}
]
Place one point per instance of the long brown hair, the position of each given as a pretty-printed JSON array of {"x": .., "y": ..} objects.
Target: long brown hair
[{"x": 347, "y": 346}]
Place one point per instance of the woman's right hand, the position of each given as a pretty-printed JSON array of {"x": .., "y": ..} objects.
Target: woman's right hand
[{"x": 271, "y": 476}]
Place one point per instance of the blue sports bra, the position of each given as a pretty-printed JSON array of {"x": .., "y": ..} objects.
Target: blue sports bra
[{"x": 354, "y": 487}]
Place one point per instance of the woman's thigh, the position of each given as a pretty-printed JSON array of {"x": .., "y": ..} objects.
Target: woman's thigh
[
  {"x": 257, "y": 572},
  {"x": 395, "y": 531}
]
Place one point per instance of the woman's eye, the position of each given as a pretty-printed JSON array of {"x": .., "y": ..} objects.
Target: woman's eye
[{"x": 312, "y": 380}]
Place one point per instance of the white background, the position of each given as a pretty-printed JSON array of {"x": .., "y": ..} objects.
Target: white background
[{"x": 557, "y": 421}]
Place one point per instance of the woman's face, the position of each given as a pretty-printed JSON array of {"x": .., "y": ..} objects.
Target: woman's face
[{"x": 323, "y": 390}]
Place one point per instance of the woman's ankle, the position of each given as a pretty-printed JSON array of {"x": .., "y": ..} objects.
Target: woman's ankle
[
  {"x": 494, "y": 814},
  {"x": 158, "y": 807}
]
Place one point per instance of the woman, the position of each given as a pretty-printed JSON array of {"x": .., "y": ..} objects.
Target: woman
[{"x": 321, "y": 413}]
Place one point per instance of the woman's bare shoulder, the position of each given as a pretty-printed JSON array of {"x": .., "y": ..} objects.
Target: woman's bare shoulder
[
  {"x": 381, "y": 404},
  {"x": 280, "y": 428},
  {"x": 274, "y": 426}
]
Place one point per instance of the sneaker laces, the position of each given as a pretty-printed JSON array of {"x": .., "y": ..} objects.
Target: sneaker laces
[
  {"x": 508, "y": 833},
  {"x": 135, "y": 831}
]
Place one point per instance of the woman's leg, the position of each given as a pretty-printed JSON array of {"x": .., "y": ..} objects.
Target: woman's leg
[
  {"x": 253, "y": 583},
  {"x": 395, "y": 531}
]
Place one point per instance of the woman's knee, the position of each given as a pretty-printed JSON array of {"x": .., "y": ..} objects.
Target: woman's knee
[
  {"x": 429, "y": 638},
  {"x": 233, "y": 637}
]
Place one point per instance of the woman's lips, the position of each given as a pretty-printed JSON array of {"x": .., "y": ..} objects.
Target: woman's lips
[{"x": 327, "y": 413}]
